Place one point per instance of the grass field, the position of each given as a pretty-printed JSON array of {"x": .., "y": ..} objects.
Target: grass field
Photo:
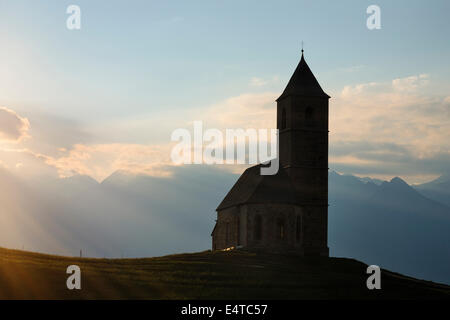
[{"x": 203, "y": 275}]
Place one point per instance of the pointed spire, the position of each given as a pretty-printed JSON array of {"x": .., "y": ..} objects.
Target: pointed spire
[{"x": 303, "y": 82}]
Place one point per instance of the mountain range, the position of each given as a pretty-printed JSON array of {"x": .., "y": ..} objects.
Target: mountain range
[
  {"x": 391, "y": 224},
  {"x": 388, "y": 223}
]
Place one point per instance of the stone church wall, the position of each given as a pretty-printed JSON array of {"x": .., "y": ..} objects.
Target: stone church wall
[{"x": 276, "y": 227}]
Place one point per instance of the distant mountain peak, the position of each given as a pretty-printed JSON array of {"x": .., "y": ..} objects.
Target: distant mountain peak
[
  {"x": 119, "y": 177},
  {"x": 333, "y": 173},
  {"x": 443, "y": 178},
  {"x": 398, "y": 181},
  {"x": 81, "y": 178},
  {"x": 397, "y": 185}
]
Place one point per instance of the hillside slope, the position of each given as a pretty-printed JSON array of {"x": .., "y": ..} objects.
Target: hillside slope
[{"x": 203, "y": 275}]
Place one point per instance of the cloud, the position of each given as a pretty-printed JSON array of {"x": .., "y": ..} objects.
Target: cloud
[
  {"x": 13, "y": 127},
  {"x": 261, "y": 82},
  {"x": 447, "y": 100},
  {"x": 410, "y": 83},
  {"x": 51, "y": 133},
  {"x": 251, "y": 110},
  {"x": 101, "y": 160},
  {"x": 390, "y": 126},
  {"x": 258, "y": 82},
  {"x": 26, "y": 163},
  {"x": 97, "y": 161}
]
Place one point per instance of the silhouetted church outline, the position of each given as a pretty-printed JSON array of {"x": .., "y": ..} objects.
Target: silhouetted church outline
[{"x": 287, "y": 211}]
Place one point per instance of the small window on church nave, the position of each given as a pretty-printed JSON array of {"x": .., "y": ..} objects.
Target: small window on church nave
[
  {"x": 280, "y": 229},
  {"x": 298, "y": 228},
  {"x": 258, "y": 227}
]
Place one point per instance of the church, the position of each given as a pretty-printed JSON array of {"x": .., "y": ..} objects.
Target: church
[{"x": 288, "y": 211}]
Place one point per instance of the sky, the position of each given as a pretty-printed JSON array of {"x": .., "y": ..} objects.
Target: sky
[{"x": 108, "y": 96}]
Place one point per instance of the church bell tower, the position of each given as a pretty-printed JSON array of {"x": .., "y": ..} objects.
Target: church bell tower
[
  {"x": 302, "y": 120},
  {"x": 287, "y": 211}
]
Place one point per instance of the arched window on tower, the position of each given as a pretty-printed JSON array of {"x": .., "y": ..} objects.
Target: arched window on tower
[
  {"x": 298, "y": 228},
  {"x": 283, "y": 119},
  {"x": 258, "y": 227},
  {"x": 309, "y": 113}
]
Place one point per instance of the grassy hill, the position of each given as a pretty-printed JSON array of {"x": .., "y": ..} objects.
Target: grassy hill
[{"x": 203, "y": 275}]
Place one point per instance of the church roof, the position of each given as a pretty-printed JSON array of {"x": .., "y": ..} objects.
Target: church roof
[
  {"x": 252, "y": 187},
  {"x": 303, "y": 82}
]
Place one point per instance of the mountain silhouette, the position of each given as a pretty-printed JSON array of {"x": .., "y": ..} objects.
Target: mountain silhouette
[
  {"x": 391, "y": 224},
  {"x": 397, "y": 195},
  {"x": 438, "y": 189}
]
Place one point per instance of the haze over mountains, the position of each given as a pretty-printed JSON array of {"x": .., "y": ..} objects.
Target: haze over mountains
[
  {"x": 391, "y": 224},
  {"x": 399, "y": 227},
  {"x": 438, "y": 190}
]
